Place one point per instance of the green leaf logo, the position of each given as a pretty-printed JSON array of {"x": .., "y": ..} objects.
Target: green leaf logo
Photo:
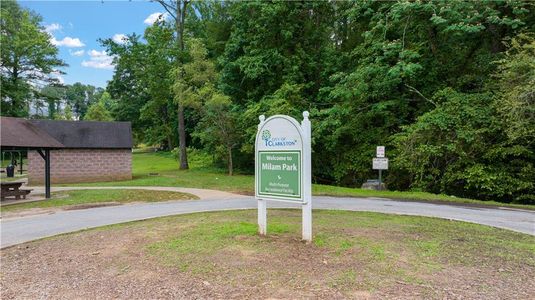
[{"x": 266, "y": 135}]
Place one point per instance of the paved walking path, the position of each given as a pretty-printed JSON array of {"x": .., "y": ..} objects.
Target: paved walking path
[{"x": 28, "y": 228}]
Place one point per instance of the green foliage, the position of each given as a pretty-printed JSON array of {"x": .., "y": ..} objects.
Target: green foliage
[
  {"x": 194, "y": 80},
  {"x": 65, "y": 115},
  {"x": 27, "y": 58},
  {"x": 98, "y": 112},
  {"x": 194, "y": 87},
  {"x": 459, "y": 148},
  {"x": 80, "y": 97},
  {"x": 446, "y": 86},
  {"x": 141, "y": 84},
  {"x": 516, "y": 88}
]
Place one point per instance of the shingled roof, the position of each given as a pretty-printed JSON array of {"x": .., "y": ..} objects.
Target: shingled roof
[
  {"x": 88, "y": 134},
  {"x": 19, "y": 133}
]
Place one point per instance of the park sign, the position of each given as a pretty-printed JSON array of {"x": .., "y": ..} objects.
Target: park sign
[
  {"x": 279, "y": 160},
  {"x": 283, "y": 166}
]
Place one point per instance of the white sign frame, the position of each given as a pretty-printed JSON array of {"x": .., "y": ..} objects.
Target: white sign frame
[
  {"x": 303, "y": 144},
  {"x": 300, "y": 146}
]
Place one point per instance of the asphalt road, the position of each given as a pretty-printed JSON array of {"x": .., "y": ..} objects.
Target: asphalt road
[{"x": 19, "y": 230}]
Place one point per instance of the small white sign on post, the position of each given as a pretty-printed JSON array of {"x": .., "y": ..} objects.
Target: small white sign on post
[
  {"x": 380, "y": 152},
  {"x": 380, "y": 164},
  {"x": 283, "y": 167}
]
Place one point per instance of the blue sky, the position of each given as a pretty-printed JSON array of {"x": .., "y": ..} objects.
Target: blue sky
[{"x": 75, "y": 27}]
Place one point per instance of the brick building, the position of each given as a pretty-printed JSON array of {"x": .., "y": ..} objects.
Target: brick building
[{"x": 93, "y": 151}]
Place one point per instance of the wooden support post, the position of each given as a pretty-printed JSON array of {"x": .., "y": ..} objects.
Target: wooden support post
[
  {"x": 307, "y": 179},
  {"x": 46, "y": 157},
  {"x": 47, "y": 173}
]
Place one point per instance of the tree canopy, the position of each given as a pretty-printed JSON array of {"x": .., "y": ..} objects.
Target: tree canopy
[
  {"x": 446, "y": 86},
  {"x": 28, "y": 59}
]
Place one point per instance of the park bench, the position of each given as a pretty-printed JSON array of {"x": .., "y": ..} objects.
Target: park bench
[{"x": 12, "y": 189}]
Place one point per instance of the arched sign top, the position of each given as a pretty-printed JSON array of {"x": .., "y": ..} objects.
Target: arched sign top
[{"x": 279, "y": 132}]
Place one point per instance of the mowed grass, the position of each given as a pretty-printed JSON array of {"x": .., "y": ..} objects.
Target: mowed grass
[
  {"x": 350, "y": 251},
  {"x": 77, "y": 198},
  {"x": 161, "y": 169}
]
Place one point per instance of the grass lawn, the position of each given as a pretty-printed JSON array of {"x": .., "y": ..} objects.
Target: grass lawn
[
  {"x": 220, "y": 255},
  {"x": 161, "y": 169},
  {"x": 84, "y": 198}
]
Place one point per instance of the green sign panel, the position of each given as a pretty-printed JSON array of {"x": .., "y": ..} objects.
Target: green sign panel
[{"x": 279, "y": 174}]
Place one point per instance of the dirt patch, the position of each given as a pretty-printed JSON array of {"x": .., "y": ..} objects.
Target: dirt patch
[{"x": 218, "y": 255}]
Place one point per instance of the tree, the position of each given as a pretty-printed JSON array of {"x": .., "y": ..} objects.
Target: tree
[
  {"x": 516, "y": 89},
  {"x": 407, "y": 53},
  {"x": 192, "y": 77},
  {"x": 108, "y": 102},
  {"x": 67, "y": 112},
  {"x": 142, "y": 84},
  {"x": 277, "y": 43},
  {"x": 127, "y": 85},
  {"x": 460, "y": 148},
  {"x": 194, "y": 87},
  {"x": 177, "y": 9},
  {"x": 65, "y": 115},
  {"x": 27, "y": 58},
  {"x": 410, "y": 75},
  {"x": 218, "y": 126},
  {"x": 81, "y": 96},
  {"x": 53, "y": 95},
  {"x": 160, "y": 59},
  {"x": 98, "y": 112}
]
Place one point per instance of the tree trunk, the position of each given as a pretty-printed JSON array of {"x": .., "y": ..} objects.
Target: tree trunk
[
  {"x": 230, "y": 165},
  {"x": 169, "y": 142},
  {"x": 179, "y": 27},
  {"x": 182, "y": 139}
]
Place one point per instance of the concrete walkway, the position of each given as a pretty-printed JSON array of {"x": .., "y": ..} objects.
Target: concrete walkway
[
  {"x": 203, "y": 194},
  {"x": 28, "y": 228}
]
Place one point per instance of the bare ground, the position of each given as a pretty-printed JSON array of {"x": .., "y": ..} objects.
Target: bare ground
[{"x": 206, "y": 256}]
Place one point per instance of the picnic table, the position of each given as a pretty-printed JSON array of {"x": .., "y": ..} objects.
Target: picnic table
[{"x": 12, "y": 189}]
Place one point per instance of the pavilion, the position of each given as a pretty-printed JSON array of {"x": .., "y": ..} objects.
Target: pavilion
[{"x": 20, "y": 134}]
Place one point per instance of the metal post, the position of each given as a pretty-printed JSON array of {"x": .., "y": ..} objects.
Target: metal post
[
  {"x": 307, "y": 179},
  {"x": 47, "y": 173},
  {"x": 380, "y": 184}
]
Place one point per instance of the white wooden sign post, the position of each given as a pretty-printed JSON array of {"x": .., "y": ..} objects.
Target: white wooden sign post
[{"x": 283, "y": 167}]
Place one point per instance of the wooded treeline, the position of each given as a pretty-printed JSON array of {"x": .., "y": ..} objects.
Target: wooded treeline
[{"x": 446, "y": 86}]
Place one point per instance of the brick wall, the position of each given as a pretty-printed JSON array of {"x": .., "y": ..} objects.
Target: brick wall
[{"x": 81, "y": 165}]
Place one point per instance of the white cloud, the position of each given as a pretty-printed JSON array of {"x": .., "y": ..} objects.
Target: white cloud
[
  {"x": 67, "y": 42},
  {"x": 60, "y": 79},
  {"x": 77, "y": 53},
  {"x": 154, "y": 17},
  {"x": 119, "y": 38},
  {"x": 52, "y": 27},
  {"x": 95, "y": 53},
  {"x": 98, "y": 60}
]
